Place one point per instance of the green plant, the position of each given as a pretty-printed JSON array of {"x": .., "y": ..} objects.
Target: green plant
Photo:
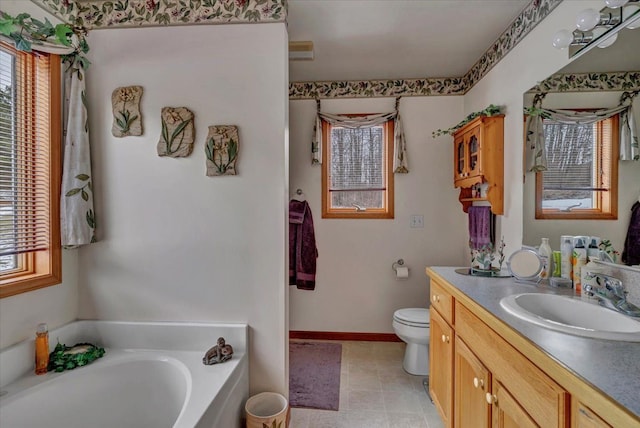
[
  {"x": 68, "y": 358},
  {"x": 28, "y": 32},
  {"x": 492, "y": 110},
  {"x": 169, "y": 139}
]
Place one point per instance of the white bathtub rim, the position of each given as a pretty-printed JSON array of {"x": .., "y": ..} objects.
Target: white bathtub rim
[
  {"x": 16, "y": 361},
  {"x": 203, "y": 395}
]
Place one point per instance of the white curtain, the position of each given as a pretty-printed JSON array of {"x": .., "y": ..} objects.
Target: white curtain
[
  {"x": 77, "y": 215},
  {"x": 536, "y": 158},
  {"x": 400, "y": 161}
]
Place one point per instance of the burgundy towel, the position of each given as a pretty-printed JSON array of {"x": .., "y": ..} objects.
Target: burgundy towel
[
  {"x": 479, "y": 226},
  {"x": 631, "y": 253},
  {"x": 302, "y": 246}
]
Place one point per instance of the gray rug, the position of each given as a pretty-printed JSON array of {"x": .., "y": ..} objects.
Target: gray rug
[{"x": 314, "y": 375}]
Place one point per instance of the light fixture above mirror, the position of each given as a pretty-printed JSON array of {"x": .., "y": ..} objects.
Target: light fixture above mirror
[{"x": 599, "y": 28}]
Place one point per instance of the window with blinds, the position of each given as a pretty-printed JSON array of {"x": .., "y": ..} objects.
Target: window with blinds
[
  {"x": 581, "y": 179},
  {"x": 357, "y": 179},
  {"x": 29, "y": 170}
]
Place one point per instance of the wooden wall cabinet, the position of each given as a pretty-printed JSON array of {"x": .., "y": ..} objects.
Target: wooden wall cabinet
[{"x": 478, "y": 157}]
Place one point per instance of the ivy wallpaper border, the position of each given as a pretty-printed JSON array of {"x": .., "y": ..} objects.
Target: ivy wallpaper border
[
  {"x": 376, "y": 88},
  {"x": 584, "y": 82},
  {"x": 153, "y": 13}
]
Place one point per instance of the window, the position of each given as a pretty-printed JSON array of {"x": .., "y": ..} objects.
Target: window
[
  {"x": 357, "y": 178},
  {"x": 581, "y": 181},
  {"x": 30, "y": 170}
]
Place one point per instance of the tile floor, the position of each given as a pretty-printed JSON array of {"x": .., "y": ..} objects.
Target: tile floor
[{"x": 375, "y": 392}]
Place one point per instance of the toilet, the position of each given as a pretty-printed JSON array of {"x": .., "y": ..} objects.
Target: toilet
[{"x": 412, "y": 326}]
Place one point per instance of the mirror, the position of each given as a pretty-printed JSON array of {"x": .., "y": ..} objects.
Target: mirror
[{"x": 621, "y": 56}]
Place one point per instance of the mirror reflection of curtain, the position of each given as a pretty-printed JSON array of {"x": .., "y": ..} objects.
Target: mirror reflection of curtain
[{"x": 535, "y": 151}]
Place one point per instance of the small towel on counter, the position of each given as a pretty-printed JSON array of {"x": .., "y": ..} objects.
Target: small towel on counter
[
  {"x": 481, "y": 228},
  {"x": 631, "y": 252},
  {"x": 302, "y": 246}
]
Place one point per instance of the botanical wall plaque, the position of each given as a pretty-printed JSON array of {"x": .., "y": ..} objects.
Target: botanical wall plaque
[
  {"x": 178, "y": 133},
  {"x": 127, "y": 119},
  {"x": 222, "y": 150}
]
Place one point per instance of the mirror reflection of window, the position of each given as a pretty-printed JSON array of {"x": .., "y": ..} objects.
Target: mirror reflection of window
[{"x": 582, "y": 175}]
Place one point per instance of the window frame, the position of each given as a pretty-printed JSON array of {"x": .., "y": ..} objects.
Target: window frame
[
  {"x": 387, "y": 212},
  {"x": 38, "y": 269},
  {"x": 607, "y": 201}
]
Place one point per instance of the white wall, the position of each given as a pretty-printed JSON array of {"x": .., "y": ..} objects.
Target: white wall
[
  {"x": 628, "y": 184},
  {"x": 355, "y": 286},
  {"x": 531, "y": 61},
  {"x": 56, "y": 305},
  {"x": 175, "y": 244}
]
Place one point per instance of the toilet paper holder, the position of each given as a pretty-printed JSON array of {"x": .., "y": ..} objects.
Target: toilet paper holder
[{"x": 397, "y": 264}]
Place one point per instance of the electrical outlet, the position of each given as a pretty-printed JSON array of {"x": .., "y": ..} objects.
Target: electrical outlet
[{"x": 416, "y": 221}]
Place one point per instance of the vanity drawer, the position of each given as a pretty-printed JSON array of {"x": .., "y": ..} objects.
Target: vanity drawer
[
  {"x": 442, "y": 301},
  {"x": 542, "y": 398}
]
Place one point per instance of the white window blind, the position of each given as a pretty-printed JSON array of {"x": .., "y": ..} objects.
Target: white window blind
[
  {"x": 579, "y": 159},
  {"x": 24, "y": 154},
  {"x": 357, "y": 167}
]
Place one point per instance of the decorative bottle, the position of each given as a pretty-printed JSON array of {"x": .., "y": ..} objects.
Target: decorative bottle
[
  {"x": 579, "y": 260},
  {"x": 545, "y": 254},
  {"x": 42, "y": 349},
  {"x": 566, "y": 248}
]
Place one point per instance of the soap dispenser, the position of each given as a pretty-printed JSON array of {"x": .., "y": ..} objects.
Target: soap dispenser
[{"x": 42, "y": 349}]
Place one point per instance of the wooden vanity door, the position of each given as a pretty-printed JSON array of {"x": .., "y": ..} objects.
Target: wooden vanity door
[
  {"x": 507, "y": 412},
  {"x": 472, "y": 382},
  {"x": 441, "y": 366}
]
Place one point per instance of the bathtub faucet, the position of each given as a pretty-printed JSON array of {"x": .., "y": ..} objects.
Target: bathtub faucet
[{"x": 218, "y": 353}]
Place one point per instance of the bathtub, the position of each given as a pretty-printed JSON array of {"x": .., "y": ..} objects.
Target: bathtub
[{"x": 151, "y": 376}]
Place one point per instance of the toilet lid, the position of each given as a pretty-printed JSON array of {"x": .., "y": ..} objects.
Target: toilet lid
[{"x": 412, "y": 315}]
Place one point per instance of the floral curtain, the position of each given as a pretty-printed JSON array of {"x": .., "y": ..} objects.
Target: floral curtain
[
  {"x": 536, "y": 159},
  {"x": 400, "y": 161},
  {"x": 77, "y": 217}
]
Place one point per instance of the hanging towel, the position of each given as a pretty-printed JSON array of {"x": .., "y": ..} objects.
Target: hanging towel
[
  {"x": 302, "y": 246},
  {"x": 480, "y": 227},
  {"x": 631, "y": 252}
]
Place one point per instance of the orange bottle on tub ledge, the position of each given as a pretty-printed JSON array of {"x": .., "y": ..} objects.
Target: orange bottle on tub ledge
[{"x": 42, "y": 349}]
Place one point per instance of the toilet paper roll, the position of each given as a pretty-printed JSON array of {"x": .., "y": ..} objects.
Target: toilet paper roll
[{"x": 402, "y": 272}]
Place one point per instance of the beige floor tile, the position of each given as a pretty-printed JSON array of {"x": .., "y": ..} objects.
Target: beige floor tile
[
  {"x": 364, "y": 380},
  {"x": 368, "y": 419},
  {"x": 365, "y": 400},
  {"x": 403, "y": 402},
  {"x": 406, "y": 420},
  {"x": 299, "y": 418}
]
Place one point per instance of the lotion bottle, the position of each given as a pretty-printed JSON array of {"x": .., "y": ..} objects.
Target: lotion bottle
[
  {"x": 545, "y": 254},
  {"x": 42, "y": 349},
  {"x": 566, "y": 248}
]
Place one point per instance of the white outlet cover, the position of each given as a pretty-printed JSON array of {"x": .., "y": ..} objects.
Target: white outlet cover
[{"x": 416, "y": 221}]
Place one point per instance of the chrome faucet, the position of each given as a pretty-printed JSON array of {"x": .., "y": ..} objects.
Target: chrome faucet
[{"x": 610, "y": 293}]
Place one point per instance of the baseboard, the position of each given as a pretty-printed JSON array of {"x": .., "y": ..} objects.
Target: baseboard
[{"x": 339, "y": 335}]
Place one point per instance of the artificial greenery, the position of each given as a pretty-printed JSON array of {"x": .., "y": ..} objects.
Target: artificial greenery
[
  {"x": 28, "y": 32},
  {"x": 68, "y": 358},
  {"x": 492, "y": 110}
]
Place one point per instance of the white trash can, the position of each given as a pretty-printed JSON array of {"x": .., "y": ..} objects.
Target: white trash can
[{"x": 267, "y": 410}]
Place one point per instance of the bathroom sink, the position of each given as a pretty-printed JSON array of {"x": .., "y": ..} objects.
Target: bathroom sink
[{"x": 573, "y": 316}]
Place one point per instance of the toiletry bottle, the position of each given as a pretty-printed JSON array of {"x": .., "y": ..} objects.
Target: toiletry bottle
[
  {"x": 556, "y": 264},
  {"x": 42, "y": 349},
  {"x": 594, "y": 247},
  {"x": 579, "y": 260},
  {"x": 545, "y": 254},
  {"x": 566, "y": 248}
]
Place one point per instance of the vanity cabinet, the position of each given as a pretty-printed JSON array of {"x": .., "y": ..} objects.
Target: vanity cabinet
[
  {"x": 485, "y": 374},
  {"x": 478, "y": 157}
]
